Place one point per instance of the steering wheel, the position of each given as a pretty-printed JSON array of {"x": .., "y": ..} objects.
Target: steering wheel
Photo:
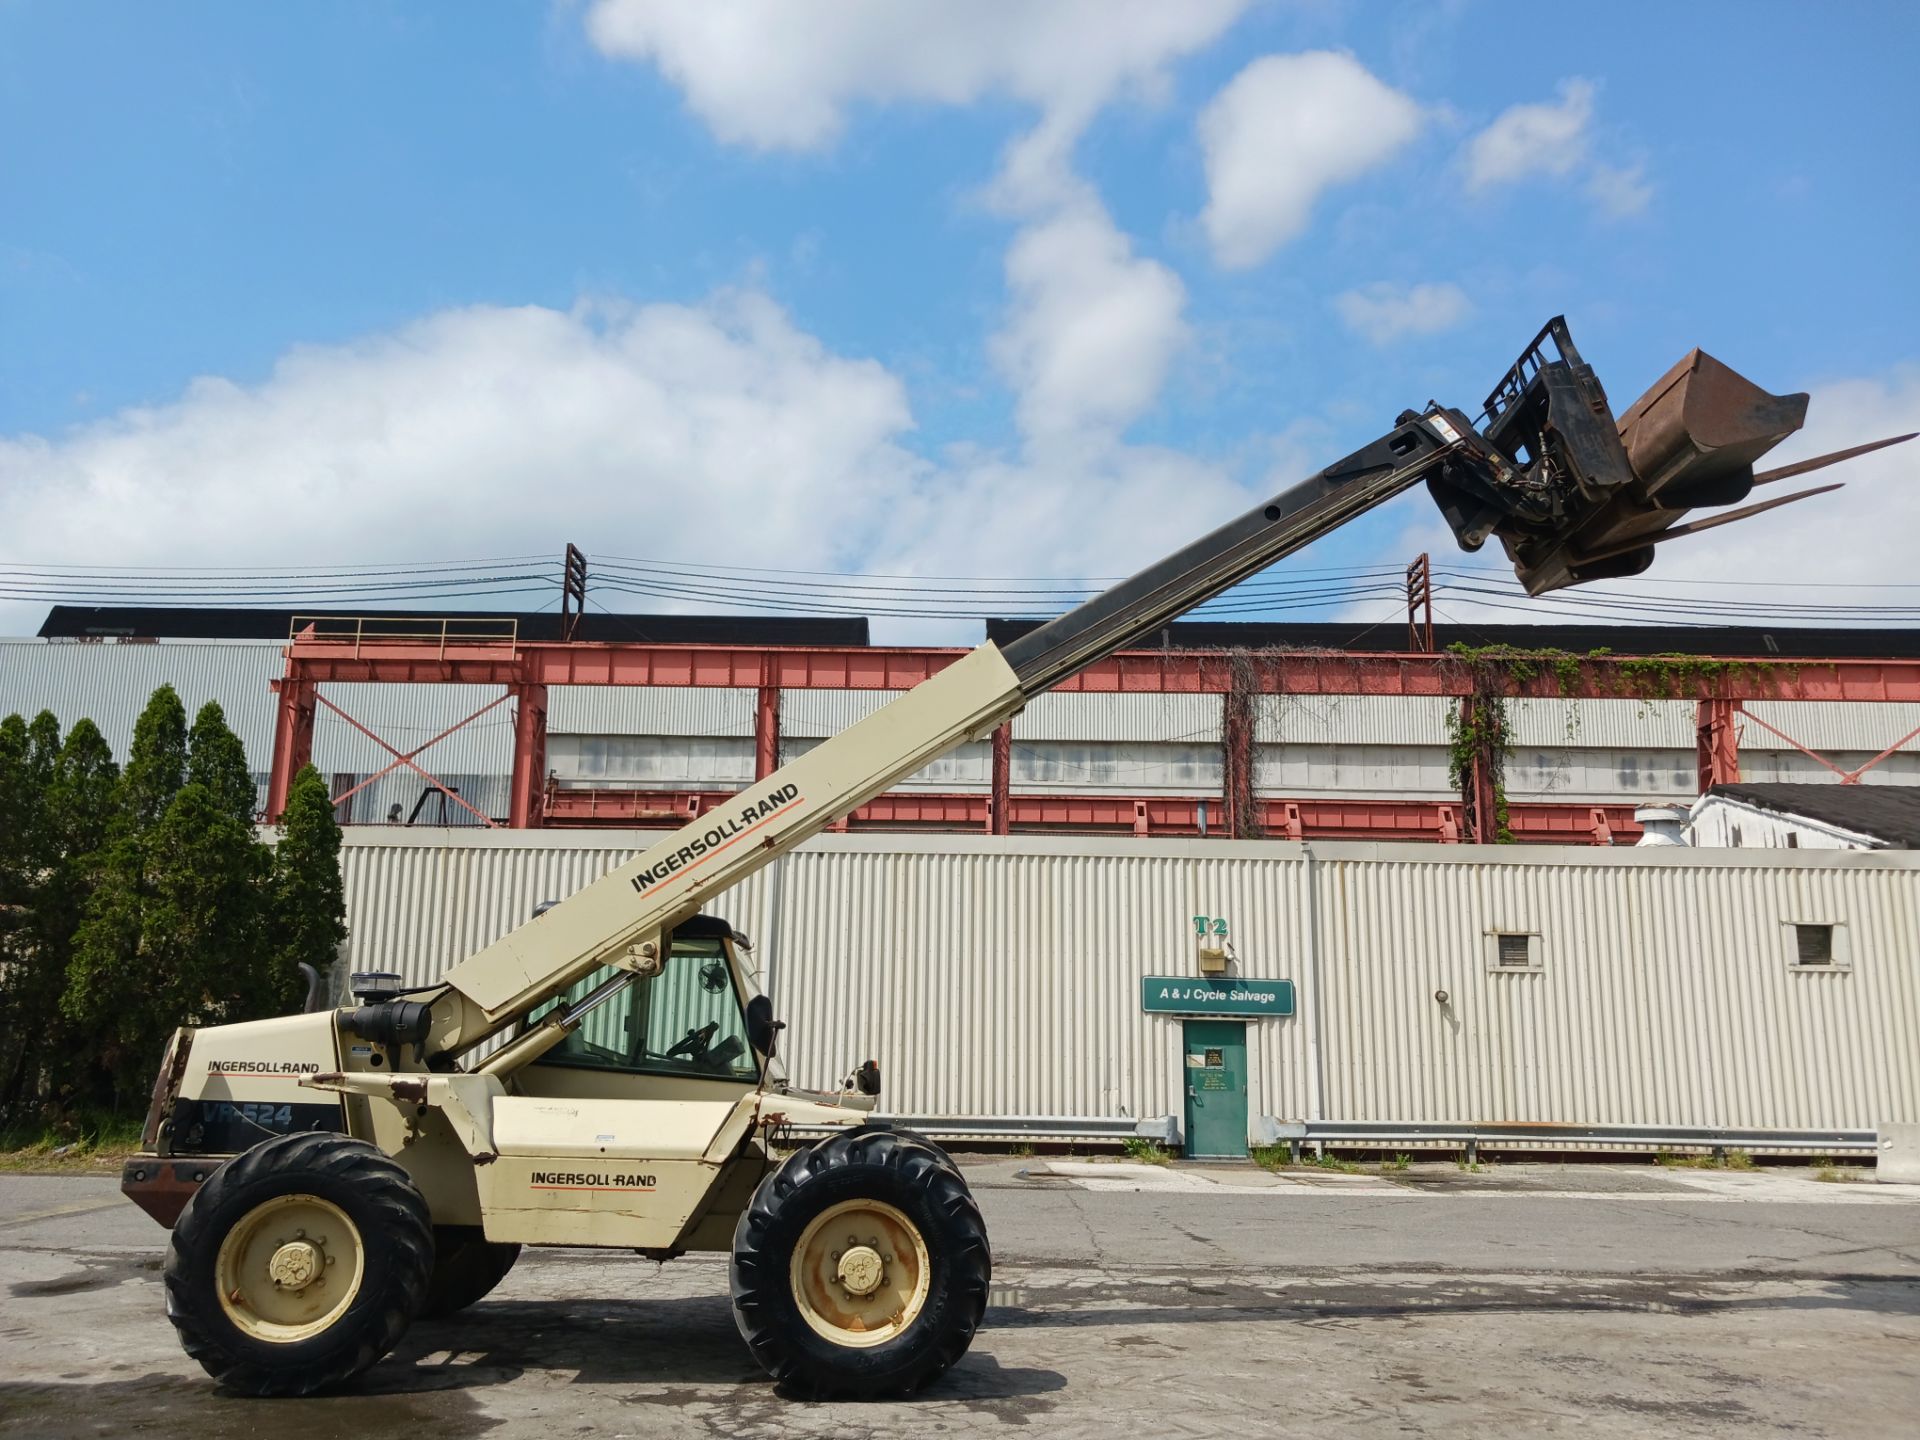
[{"x": 695, "y": 1043}]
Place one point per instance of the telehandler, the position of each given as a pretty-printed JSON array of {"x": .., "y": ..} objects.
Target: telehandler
[{"x": 603, "y": 1075}]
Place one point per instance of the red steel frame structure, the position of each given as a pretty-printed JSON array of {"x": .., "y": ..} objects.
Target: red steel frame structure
[{"x": 527, "y": 669}]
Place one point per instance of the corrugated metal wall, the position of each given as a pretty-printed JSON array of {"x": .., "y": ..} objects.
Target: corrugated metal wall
[{"x": 994, "y": 978}]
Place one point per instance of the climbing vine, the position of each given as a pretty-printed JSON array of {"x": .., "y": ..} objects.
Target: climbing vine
[
  {"x": 1480, "y": 724},
  {"x": 1477, "y": 729}
]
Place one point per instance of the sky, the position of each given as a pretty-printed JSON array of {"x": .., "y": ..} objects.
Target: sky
[{"x": 926, "y": 288}]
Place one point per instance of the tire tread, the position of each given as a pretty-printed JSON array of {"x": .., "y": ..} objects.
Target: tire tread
[{"x": 382, "y": 1189}]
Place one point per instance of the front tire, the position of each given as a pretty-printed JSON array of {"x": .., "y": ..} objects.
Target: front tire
[
  {"x": 861, "y": 1267},
  {"x": 298, "y": 1265}
]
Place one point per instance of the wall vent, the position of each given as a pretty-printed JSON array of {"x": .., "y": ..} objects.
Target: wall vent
[{"x": 1516, "y": 952}]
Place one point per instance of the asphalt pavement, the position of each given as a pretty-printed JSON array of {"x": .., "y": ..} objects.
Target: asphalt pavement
[{"x": 1523, "y": 1301}]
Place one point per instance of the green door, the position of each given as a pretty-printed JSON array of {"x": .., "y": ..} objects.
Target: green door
[{"x": 1216, "y": 1071}]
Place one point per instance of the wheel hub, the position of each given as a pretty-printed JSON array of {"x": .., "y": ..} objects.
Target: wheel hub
[
  {"x": 862, "y": 1270},
  {"x": 289, "y": 1268},
  {"x": 295, "y": 1265}
]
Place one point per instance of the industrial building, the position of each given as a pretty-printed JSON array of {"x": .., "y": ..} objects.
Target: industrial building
[
  {"x": 1381, "y": 996},
  {"x": 1336, "y": 991},
  {"x": 1127, "y": 760}
]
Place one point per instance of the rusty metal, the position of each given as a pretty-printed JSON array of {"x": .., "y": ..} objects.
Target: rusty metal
[
  {"x": 162, "y": 1188},
  {"x": 1847, "y": 777},
  {"x": 166, "y": 1085},
  {"x": 1716, "y": 743},
  {"x": 1693, "y": 436},
  {"x": 1420, "y": 604},
  {"x": 1690, "y": 441},
  {"x": 346, "y": 795},
  {"x": 1322, "y": 818},
  {"x": 408, "y": 761},
  {"x": 573, "y": 592},
  {"x": 1000, "y": 799},
  {"x": 529, "y": 776},
  {"x": 1820, "y": 462},
  {"x": 1712, "y": 522}
]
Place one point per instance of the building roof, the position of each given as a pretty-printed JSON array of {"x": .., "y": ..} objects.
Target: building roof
[
  {"x": 1884, "y": 812},
  {"x": 1805, "y": 642},
  {"x": 195, "y": 622}
]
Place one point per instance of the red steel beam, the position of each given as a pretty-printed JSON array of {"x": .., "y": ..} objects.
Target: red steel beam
[
  {"x": 529, "y": 756},
  {"x": 1538, "y": 822},
  {"x": 1157, "y": 672},
  {"x": 292, "y": 739},
  {"x": 1716, "y": 732}
]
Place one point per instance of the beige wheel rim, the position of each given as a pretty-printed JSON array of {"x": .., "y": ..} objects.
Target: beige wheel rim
[
  {"x": 860, "y": 1273},
  {"x": 290, "y": 1268}
]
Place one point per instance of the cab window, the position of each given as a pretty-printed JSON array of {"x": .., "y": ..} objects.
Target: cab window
[{"x": 684, "y": 1021}]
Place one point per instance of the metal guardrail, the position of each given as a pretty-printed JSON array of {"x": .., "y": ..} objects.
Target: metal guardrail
[
  {"x": 1383, "y": 1135},
  {"x": 1162, "y": 1128},
  {"x": 437, "y": 631},
  {"x": 1518, "y": 1135}
]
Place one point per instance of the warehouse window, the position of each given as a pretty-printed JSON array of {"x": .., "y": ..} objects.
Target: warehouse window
[
  {"x": 1819, "y": 945},
  {"x": 1813, "y": 944},
  {"x": 1513, "y": 950}
]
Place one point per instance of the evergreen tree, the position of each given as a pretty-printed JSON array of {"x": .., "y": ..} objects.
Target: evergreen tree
[
  {"x": 81, "y": 806},
  {"x": 21, "y": 807},
  {"x": 201, "y": 934},
  {"x": 156, "y": 762},
  {"x": 30, "y": 974},
  {"x": 81, "y": 799},
  {"x": 112, "y": 993},
  {"x": 217, "y": 760},
  {"x": 309, "y": 904}
]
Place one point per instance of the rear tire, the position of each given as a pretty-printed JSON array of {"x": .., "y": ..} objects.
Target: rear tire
[
  {"x": 466, "y": 1267},
  {"x": 861, "y": 1267},
  {"x": 258, "y": 1246}
]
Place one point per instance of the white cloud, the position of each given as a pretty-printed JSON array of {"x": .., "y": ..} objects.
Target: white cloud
[
  {"x": 1101, "y": 509},
  {"x": 1619, "y": 190},
  {"x": 1383, "y": 313},
  {"x": 1536, "y": 139},
  {"x": 780, "y": 74},
  {"x": 716, "y": 432},
  {"x": 1091, "y": 326},
  {"x": 652, "y": 430},
  {"x": 1284, "y": 131}
]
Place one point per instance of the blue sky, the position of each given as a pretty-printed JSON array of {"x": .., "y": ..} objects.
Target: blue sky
[{"x": 220, "y": 190}]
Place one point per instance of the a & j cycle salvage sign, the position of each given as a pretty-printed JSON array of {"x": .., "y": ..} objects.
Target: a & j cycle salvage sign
[{"x": 1182, "y": 995}]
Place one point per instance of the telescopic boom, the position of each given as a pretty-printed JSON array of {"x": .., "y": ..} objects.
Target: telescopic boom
[{"x": 1549, "y": 474}]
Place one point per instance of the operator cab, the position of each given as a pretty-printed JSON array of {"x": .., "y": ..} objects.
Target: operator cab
[{"x": 694, "y": 1020}]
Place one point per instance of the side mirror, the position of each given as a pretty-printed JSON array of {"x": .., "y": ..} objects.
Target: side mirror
[{"x": 762, "y": 1028}]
